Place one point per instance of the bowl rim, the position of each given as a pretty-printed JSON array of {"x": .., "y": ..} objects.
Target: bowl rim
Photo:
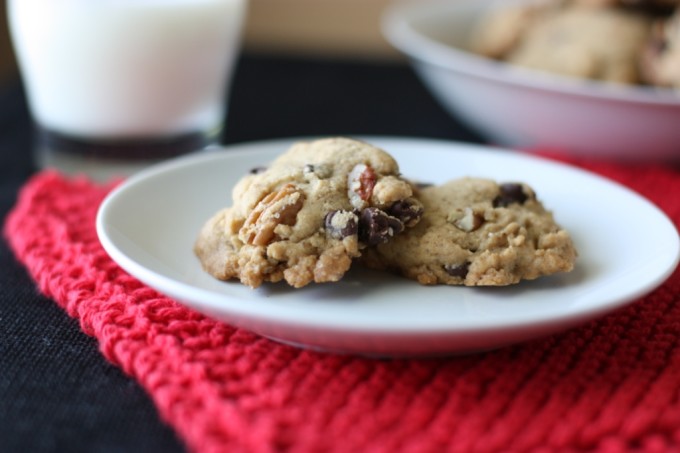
[{"x": 397, "y": 28}]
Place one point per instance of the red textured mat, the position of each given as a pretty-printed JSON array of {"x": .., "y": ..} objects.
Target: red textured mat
[{"x": 611, "y": 385}]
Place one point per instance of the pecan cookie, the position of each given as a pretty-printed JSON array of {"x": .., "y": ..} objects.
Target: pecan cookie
[
  {"x": 305, "y": 217},
  {"x": 476, "y": 232}
]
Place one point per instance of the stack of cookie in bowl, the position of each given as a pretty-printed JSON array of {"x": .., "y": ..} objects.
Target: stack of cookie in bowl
[
  {"x": 326, "y": 205},
  {"x": 622, "y": 41}
]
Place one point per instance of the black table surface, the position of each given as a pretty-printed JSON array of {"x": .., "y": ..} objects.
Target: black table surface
[{"x": 57, "y": 392}]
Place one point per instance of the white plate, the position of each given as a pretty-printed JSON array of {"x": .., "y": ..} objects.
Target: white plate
[{"x": 627, "y": 247}]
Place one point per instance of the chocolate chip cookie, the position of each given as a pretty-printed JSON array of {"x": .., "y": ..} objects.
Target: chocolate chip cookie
[
  {"x": 476, "y": 232},
  {"x": 306, "y": 216}
]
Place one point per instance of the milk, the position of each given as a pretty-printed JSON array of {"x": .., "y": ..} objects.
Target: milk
[{"x": 122, "y": 69}]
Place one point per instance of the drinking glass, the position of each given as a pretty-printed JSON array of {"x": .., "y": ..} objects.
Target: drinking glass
[{"x": 113, "y": 85}]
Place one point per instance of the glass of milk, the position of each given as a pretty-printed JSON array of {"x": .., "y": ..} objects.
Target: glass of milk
[{"x": 113, "y": 84}]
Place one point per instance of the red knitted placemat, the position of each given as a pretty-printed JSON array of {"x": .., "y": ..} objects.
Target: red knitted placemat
[{"x": 611, "y": 385}]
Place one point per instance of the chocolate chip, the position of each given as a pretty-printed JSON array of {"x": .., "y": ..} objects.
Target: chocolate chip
[
  {"x": 341, "y": 224},
  {"x": 257, "y": 170},
  {"x": 457, "y": 270},
  {"x": 377, "y": 227},
  {"x": 407, "y": 211},
  {"x": 320, "y": 171},
  {"x": 657, "y": 9},
  {"x": 510, "y": 193}
]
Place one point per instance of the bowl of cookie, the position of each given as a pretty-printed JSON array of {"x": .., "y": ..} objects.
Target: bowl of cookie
[{"x": 587, "y": 77}]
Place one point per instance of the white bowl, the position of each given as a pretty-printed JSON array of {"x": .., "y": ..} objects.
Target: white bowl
[{"x": 523, "y": 108}]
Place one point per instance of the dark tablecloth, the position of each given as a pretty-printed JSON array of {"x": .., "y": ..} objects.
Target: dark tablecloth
[{"x": 57, "y": 393}]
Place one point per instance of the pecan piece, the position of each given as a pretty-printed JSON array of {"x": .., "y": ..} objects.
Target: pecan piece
[
  {"x": 277, "y": 208},
  {"x": 466, "y": 219},
  {"x": 360, "y": 183}
]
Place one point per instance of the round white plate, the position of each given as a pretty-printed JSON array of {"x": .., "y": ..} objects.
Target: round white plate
[{"x": 626, "y": 247}]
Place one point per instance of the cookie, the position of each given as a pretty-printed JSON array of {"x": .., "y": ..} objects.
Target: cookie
[
  {"x": 660, "y": 61},
  {"x": 578, "y": 42},
  {"x": 572, "y": 41},
  {"x": 500, "y": 31},
  {"x": 475, "y": 232},
  {"x": 306, "y": 216}
]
